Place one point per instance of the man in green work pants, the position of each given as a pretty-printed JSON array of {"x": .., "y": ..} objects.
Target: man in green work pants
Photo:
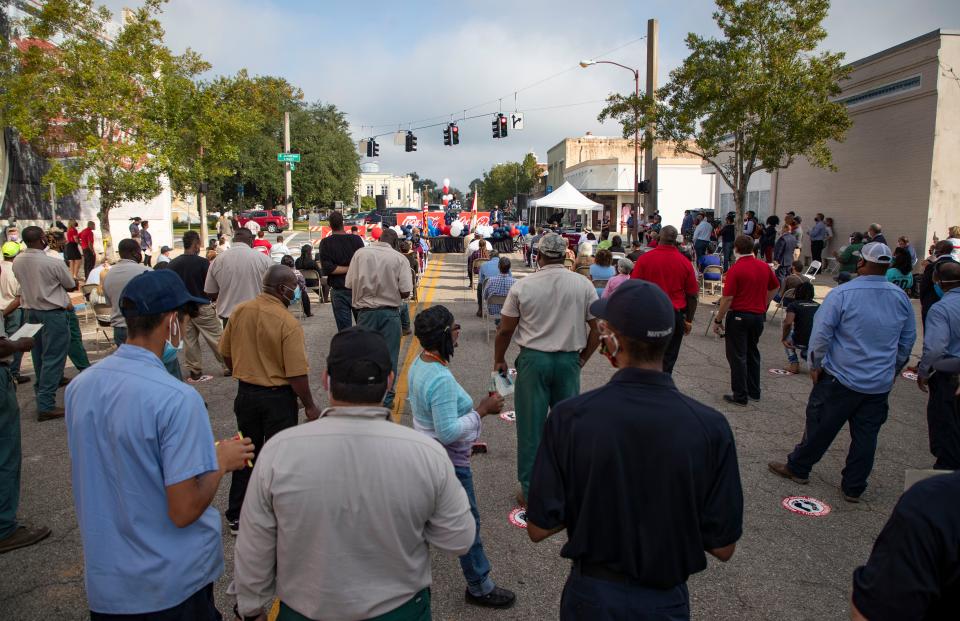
[{"x": 549, "y": 311}]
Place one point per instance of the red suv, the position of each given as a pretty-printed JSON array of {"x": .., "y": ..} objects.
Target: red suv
[{"x": 273, "y": 221}]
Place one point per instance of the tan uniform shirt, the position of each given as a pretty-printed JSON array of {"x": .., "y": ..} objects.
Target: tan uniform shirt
[
  {"x": 113, "y": 283},
  {"x": 9, "y": 287},
  {"x": 236, "y": 276},
  {"x": 340, "y": 515},
  {"x": 554, "y": 307},
  {"x": 265, "y": 342},
  {"x": 377, "y": 276},
  {"x": 43, "y": 280}
]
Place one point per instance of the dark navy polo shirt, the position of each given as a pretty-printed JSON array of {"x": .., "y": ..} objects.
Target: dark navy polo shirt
[
  {"x": 643, "y": 478},
  {"x": 914, "y": 569}
]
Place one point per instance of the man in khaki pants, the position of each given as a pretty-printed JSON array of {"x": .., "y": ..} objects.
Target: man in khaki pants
[{"x": 192, "y": 269}]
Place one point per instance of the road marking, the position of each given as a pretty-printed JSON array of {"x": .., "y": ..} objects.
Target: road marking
[{"x": 426, "y": 297}]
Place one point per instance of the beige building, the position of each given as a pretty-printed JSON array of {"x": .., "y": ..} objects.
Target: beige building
[
  {"x": 397, "y": 188},
  {"x": 898, "y": 164}
]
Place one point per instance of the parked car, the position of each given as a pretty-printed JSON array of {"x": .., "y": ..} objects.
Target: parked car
[
  {"x": 355, "y": 219},
  {"x": 272, "y": 221}
]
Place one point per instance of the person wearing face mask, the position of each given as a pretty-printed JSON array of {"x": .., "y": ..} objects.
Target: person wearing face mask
[
  {"x": 264, "y": 348},
  {"x": 125, "y": 270},
  {"x": 444, "y": 411},
  {"x": 44, "y": 283},
  {"x": 941, "y": 343},
  {"x": 145, "y": 469},
  {"x": 861, "y": 339},
  {"x": 929, "y": 294},
  {"x": 631, "y": 562}
]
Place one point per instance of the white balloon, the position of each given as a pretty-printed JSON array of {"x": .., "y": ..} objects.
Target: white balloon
[
  {"x": 398, "y": 230},
  {"x": 449, "y": 197},
  {"x": 446, "y": 182},
  {"x": 456, "y": 228}
]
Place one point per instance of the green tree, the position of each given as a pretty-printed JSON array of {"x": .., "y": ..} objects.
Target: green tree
[
  {"x": 755, "y": 99},
  {"x": 505, "y": 181},
  {"x": 368, "y": 203},
  {"x": 92, "y": 102}
]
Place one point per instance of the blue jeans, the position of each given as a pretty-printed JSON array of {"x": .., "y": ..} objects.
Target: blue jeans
[
  {"x": 386, "y": 321},
  {"x": 340, "y": 300},
  {"x": 593, "y": 599},
  {"x": 832, "y": 405},
  {"x": 49, "y": 354},
  {"x": 727, "y": 255},
  {"x": 404, "y": 316},
  {"x": 701, "y": 246},
  {"x": 12, "y": 323},
  {"x": 796, "y": 352},
  {"x": 9, "y": 453},
  {"x": 475, "y": 565}
]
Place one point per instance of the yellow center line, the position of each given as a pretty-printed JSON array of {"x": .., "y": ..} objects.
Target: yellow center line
[{"x": 426, "y": 297}]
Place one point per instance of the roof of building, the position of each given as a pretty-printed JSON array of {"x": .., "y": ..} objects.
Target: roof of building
[{"x": 934, "y": 34}]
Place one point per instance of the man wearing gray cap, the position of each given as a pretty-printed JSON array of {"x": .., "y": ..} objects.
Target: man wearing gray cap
[
  {"x": 634, "y": 434},
  {"x": 550, "y": 311},
  {"x": 862, "y": 337}
]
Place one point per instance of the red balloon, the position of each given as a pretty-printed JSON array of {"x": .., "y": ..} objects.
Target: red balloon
[
  {"x": 514, "y": 232},
  {"x": 376, "y": 233},
  {"x": 445, "y": 229}
]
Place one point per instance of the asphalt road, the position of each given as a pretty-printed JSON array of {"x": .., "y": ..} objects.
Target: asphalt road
[{"x": 786, "y": 565}]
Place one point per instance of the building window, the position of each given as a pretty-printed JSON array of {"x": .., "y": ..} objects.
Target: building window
[
  {"x": 900, "y": 86},
  {"x": 369, "y": 190},
  {"x": 383, "y": 190},
  {"x": 398, "y": 194}
]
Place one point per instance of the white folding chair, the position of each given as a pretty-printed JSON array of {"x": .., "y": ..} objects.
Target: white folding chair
[
  {"x": 812, "y": 270},
  {"x": 789, "y": 293},
  {"x": 708, "y": 282},
  {"x": 488, "y": 318},
  {"x": 313, "y": 275}
]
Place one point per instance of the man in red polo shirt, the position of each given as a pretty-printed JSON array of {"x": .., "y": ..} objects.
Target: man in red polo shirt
[
  {"x": 665, "y": 267},
  {"x": 749, "y": 287},
  {"x": 87, "y": 247}
]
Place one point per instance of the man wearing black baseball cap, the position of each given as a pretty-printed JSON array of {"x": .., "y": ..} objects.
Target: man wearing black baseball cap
[
  {"x": 146, "y": 468},
  {"x": 634, "y": 434},
  {"x": 358, "y": 498}
]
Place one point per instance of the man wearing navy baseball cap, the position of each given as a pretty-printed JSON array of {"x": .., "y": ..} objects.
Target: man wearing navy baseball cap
[
  {"x": 146, "y": 468},
  {"x": 636, "y": 434}
]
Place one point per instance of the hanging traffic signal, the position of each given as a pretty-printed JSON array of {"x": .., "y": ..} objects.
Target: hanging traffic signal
[
  {"x": 410, "y": 143},
  {"x": 446, "y": 136},
  {"x": 376, "y": 148},
  {"x": 370, "y": 147},
  {"x": 495, "y": 125},
  {"x": 503, "y": 125},
  {"x": 454, "y": 133},
  {"x": 644, "y": 187}
]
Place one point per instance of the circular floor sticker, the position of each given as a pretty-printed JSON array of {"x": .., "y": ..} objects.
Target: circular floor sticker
[
  {"x": 804, "y": 505},
  {"x": 909, "y": 375},
  {"x": 510, "y": 416},
  {"x": 518, "y": 517},
  {"x": 780, "y": 372}
]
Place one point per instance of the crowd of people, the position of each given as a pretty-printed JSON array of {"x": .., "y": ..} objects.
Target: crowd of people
[{"x": 336, "y": 517}]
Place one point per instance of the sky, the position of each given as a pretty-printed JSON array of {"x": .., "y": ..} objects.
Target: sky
[{"x": 392, "y": 64}]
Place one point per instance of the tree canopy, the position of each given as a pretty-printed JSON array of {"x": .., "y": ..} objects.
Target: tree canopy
[
  {"x": 754, "y": 99},
  {"x": 505, "y": 181}
]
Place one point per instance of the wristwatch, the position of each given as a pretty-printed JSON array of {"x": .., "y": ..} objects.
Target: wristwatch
[{"x": 718, "y": 321}]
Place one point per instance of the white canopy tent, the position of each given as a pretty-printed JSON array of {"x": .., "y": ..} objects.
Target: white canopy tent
[{"x": 564, "y": 197}]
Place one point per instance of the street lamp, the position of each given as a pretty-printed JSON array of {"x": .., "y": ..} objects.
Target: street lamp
[{"x": 636, "y": 138}]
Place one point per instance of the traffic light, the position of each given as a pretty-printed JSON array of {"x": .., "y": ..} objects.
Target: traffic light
[
  {"x": 446, "y": 136},
  {"x": 496, "y": 126},
  {"x": 370, "y": 147},
  {"x": 376, "y": 148},
  {"x": 454, "y": 133},
  {"x": 410, "y": 143},
  {"x": 644, "y": 187},
  {"x": 503, "y": 125}
]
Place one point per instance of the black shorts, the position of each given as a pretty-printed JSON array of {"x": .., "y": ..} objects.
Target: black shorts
[{"x": 71, "y": 252}]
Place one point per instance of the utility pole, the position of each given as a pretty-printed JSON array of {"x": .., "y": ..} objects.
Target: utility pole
[
  {"x": 202, "y": 210},
  {"x": 653, "y": 64},
  {"x": 287, "y": 174},
  {"x": 53, "y": 200}
]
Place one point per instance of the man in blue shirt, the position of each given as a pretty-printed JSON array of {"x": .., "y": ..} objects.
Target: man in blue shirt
[
  {"x": 145, "y": 468},
  {"x": 818, "y": 238},
  {"x": 941, "y": 343},
  {"x": 862, "y": 337},
  {"x": 701, "y": 235},
  {"x": 487, "y": 271}
]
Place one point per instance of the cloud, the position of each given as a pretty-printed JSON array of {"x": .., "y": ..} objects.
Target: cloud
[{"x": 392, "y": 63}]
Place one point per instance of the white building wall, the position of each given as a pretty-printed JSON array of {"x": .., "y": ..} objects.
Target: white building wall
[
  {"x": 681, "y": 187},
  {"x": 157, "y": 211}
]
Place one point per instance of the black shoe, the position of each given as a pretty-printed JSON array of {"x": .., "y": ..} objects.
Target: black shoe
[
  {"x": 497, "y": 598},
  {"x": 234, "y": 526},
  {"x": 734, "y": 401},
  {"x": 757, "y": 398},
  {"x": 850, "y": 499},
  {"x": 21, "y": 379}
]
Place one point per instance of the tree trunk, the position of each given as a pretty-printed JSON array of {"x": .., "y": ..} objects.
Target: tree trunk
[
  {"x": 740, "y": 200},
  {"x": 104, "y": 217}
]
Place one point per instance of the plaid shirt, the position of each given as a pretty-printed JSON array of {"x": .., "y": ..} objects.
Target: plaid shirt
[{"x": 498, "y": 285}]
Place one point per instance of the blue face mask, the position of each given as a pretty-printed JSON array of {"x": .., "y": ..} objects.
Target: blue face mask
[
  {"x": 296, "y": 295},
  {"x": 937, "y": 289},
  {"x": 169, "y": 351}
]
